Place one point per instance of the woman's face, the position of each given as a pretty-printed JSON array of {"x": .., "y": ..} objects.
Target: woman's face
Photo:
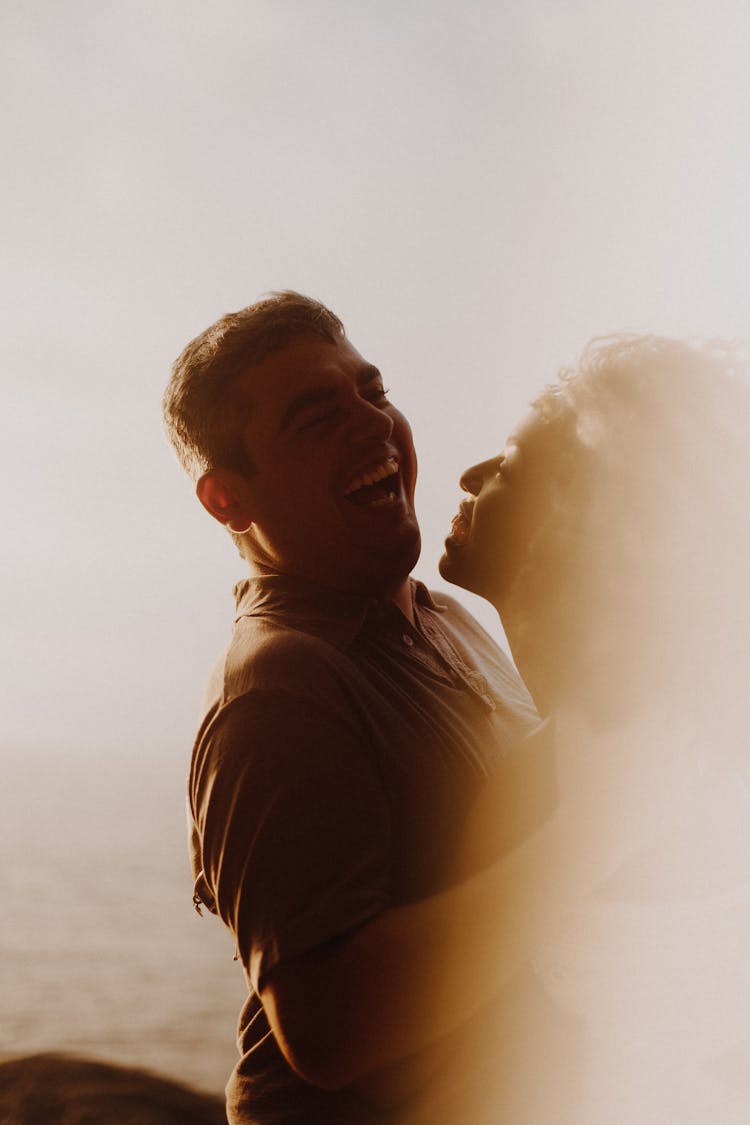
[{"x": 512, "y": 498}]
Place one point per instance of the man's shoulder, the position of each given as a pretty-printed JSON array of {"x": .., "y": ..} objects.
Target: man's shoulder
[
  {"x": 276, "y": 688},
  {"x": 269, "y": 657}
]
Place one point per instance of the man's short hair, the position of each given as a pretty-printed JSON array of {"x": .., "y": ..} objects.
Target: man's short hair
[{"x": 202, "y": 416}]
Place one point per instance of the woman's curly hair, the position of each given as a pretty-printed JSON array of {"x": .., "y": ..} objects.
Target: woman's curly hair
[{"x": 656, "y": 536}]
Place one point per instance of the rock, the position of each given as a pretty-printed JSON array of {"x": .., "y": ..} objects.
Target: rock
[{"x": 58, "y": 1089}]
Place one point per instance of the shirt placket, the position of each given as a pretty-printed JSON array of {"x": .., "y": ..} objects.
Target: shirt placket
[{"x": 436, "y": 652}]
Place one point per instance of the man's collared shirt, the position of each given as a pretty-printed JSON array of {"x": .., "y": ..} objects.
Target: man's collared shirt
[{"x": 339, "y": 755}]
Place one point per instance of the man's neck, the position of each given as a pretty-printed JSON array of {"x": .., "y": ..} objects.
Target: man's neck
[{"x": 402, "y": 597}]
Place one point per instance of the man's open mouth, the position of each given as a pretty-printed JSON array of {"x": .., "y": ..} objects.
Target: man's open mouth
[{"x": 377, "y": 487}]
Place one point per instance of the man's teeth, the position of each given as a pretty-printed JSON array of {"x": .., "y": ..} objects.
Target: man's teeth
[{"x": 372, "y": 476}]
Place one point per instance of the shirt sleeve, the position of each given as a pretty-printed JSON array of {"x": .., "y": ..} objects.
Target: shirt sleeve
[{"x": 294, "y": 824}]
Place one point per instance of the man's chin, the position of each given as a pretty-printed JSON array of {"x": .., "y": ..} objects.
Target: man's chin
[
  {"x": 387, "y": 568},
  {"x": 403, "y": 556},
  {"x": 401, "y": 543}
]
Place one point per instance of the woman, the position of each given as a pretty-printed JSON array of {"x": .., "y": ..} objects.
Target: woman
[{"x": 612, "y": 535}]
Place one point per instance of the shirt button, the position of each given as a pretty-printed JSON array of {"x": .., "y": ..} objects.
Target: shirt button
[{"x": 407, "y": 640}]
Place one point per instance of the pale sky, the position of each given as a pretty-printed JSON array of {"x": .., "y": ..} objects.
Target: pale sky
[{"x": 476, "y": 188}]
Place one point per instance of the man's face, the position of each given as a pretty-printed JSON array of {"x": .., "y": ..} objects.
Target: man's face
[
  {"x": 496, "y": 533},
  {"x": 333, "y": 492}
]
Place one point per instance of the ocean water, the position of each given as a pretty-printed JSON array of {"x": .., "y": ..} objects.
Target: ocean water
[{"x": 101, "y": 952}]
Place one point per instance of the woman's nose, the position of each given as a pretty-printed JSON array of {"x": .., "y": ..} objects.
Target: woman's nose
[{"x": 474, "y": 477}]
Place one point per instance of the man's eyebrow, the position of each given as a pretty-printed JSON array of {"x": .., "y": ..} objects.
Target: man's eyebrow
[{"x": 318, "y": 396}]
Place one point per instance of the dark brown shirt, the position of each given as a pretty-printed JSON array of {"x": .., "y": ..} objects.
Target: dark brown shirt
[{"x": 339, "y": 755}]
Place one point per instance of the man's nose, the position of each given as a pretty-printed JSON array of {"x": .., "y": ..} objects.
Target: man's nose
[
  {"x": 474, "y": 477},
  {"x": 369, "y": 421}
]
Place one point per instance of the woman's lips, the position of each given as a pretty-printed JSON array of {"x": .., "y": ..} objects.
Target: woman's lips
[{"x": 460, "y": 526}]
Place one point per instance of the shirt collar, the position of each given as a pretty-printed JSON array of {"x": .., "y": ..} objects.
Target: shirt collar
[{"x": 332, "y": 615}]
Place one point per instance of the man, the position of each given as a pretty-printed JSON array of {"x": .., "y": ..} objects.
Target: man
[{"x": 347, "y": 730}]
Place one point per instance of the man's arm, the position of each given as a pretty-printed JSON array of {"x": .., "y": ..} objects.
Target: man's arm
[{"x": 415, "y": 973}]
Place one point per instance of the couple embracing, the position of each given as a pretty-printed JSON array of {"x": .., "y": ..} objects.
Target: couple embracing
[{"x": 459, "y": 894}]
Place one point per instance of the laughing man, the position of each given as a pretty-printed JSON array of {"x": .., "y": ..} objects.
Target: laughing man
[{"x": 347, "y": 730}]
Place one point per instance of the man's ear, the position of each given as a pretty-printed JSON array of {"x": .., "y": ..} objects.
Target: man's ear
[{"x": 224, "y": 496}]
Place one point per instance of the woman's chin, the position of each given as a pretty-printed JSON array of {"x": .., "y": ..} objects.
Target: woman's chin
[
  {"x": 454, "y": 567},
  {"x": 449, "y": 566}
]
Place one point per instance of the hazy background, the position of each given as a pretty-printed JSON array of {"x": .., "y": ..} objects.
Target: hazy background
[{"x": 476, "y": 188}]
